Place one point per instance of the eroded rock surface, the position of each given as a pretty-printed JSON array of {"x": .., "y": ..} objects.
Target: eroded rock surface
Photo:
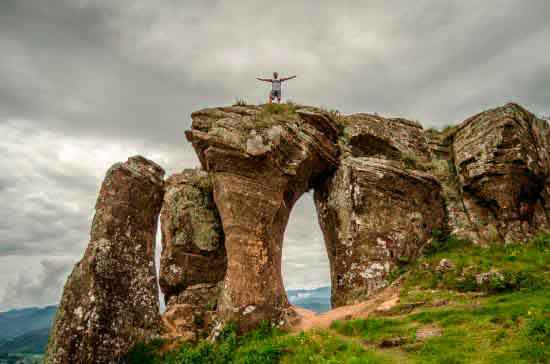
[
  {"x": 193, "y": 249},
  {"x": 380, "y": 207},
  {"x": 497, "y": 186},
  {"x": 384, "y": 188},
  {"x": 262, "y": 159},
  {"x": 110, "y": 301},
  {"x": 193, "y": 261},
  {"x": 192, "y": 314}
]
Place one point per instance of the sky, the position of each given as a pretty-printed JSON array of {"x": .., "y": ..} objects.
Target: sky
[{"x": 85, "y": 84}]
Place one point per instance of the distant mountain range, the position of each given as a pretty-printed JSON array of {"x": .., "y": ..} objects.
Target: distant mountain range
[
  {"x": 317, "y": 299},
  {"x": 26, "y": 330}
]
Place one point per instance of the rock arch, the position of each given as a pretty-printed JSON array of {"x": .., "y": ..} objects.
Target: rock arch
[
  {"x": 257, "y": 176},
  {"x": 487, "y": 179}
]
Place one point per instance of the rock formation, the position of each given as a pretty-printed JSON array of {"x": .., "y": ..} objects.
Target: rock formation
[
  {"x": 501, "y": 158},
  {"x": 110, "y": 301},
  {"x": 384, "y": 188},
  {"x": 379, "y": 208},
  {"x": 261, "y": 161},
  {"x": 193, "y": 261}
]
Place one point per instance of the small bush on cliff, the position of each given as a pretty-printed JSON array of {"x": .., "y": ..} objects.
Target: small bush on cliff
[
  {"x": 145, "y": 353},
  {"x": 440, "y": 244}
]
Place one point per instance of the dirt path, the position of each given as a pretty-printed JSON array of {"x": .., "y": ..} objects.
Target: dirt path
[{"x": 384, "y": 300}]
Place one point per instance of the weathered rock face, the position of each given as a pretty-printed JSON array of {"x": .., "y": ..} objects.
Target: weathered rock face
[
  {"x": 261, "y": 160},
  {"x": 193, "y": 313},
  {"x": 378, "y": 209},
  {"x": 366, "y": 135},
  {"x": 110, "y": 300},
  {"x": 497, "y": 189},
  {"x": 193, "y": 261},
  {"x": 383, "y": 188},
  {"x": 193, "y": 249}
]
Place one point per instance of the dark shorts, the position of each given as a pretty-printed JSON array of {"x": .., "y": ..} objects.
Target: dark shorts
[{"x": 276, "y": 94}]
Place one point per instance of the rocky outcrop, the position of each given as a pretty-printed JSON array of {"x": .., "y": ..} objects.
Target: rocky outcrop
[
  {"x": 380, "y": 207},
  {"x": 193, "y": 261},
  {"x": 193, "y": 249},
  {"x": 110, "y": 300},
  {"x": 193, "y": 313},
  {"x": 497, "y": 186},
  {"x": 375, "y": 216},
  {"x": 384, "y": 188},
  {"x": 262, "y": 159}
]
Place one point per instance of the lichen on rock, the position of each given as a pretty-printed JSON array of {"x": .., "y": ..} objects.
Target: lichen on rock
[
  {"x": 284, "y": 150},
  {"x": 110, "y": 301},
  {"x": 193, "y": 249}
]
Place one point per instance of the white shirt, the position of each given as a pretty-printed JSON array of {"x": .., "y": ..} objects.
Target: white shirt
[{"x": 276, "y": 84}]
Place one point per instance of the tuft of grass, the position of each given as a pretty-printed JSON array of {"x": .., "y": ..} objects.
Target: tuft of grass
[
  {"x": 240, "y": 102},
  {"x": 279, "y": 109},
  {"x": 374, "y": 330}
]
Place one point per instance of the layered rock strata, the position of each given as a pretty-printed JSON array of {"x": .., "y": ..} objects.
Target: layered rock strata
[
  {"x": 261, "y": 161},
  {"x": 380, "y": 207}
]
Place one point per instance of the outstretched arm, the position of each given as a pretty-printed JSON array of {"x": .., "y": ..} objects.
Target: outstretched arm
[
  {"x": 264, "y": 79},
  {"x": 287, "y": 78}
]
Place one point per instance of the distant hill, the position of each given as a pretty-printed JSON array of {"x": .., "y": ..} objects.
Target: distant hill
[
  {"x": 317, "y": 299},
  {"x": 25, "y": 330},
  {"x": 32, "y": 342}
]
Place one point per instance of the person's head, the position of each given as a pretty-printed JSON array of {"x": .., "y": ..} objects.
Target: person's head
[{"x": 275, "y": 75}]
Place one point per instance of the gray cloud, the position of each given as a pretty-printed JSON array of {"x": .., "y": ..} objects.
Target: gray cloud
[
  {"x": 84, "y": 84},
  {"x": 41, "y": 289}
]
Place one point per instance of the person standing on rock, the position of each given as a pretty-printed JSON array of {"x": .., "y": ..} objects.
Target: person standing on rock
[{"x": 276, "y": 83}]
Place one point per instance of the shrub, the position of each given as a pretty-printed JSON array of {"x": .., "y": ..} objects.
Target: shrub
[
  {"x": 144, "y": 353},
  {"x": 440, "y": 245}
]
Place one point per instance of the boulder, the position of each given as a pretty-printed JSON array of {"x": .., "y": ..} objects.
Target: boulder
[{"x": 193, "y": 313}]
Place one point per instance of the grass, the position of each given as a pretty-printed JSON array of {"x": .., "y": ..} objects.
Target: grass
[
  {"x": 472, "y": 323},
  {"x": 240, "y": 102},
  {"x": 480, "y": 323},
  {"x": 271, "y": 115},
  {"x": 263, "y": 346}
]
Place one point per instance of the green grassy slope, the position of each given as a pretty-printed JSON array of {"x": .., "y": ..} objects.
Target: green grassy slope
[{"x": 480, "y": 305}]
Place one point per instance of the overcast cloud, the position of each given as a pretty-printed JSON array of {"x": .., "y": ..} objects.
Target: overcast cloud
[{"x": 84, "y": 84}]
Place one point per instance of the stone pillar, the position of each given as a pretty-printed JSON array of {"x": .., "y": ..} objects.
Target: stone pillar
[
  {"x": 254, "y": 216},
  {"x": 110, "y": 301}
]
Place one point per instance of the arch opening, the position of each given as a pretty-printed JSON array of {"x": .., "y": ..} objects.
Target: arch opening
[
  {"x": 305, "y": 265},
  {"x": 158, "y": 253}
]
